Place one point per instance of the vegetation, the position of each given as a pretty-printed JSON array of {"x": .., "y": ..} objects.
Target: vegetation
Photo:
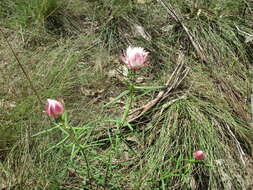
[{"x": 201, "y": 56}]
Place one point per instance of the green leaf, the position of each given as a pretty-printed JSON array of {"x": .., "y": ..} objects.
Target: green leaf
[
  {"x": 149, "y": 87},
  {"x": 117, "y": 98},
  {"x": 46, "y": 131},
  {"x": 58, "y": 144}
]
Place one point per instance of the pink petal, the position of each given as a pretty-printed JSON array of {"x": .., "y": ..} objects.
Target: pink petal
[
  {"x": 135, "y": 57},
  {"x": 199, "y": 155},
  {"x": 58, "y": 108},
  {"x": 52, "y": 111},
  {"x": 54, "y": 108}
]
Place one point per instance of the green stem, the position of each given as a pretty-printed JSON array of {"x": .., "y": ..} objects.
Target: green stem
[
  {"x": 131, "y": 76},
  {"x": 77, "y": 142},
  {"x": 128, "y": 106},
  {"x": 74, "y": 140},
  {"x": 124, "y": 117}
]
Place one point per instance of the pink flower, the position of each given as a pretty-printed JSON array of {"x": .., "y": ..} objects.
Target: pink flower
[
  {"x": 54, "y": 108},
  {"x": 135, "y": 57},
  {"x": 199, "y": 155}
]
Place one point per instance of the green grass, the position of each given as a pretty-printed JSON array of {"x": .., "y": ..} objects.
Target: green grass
[{"x": 71, "y": 49}]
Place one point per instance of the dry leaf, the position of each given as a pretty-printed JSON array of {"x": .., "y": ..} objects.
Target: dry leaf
[
  {"x": 140, "y": 31},
  {"x": 141, "y": 1},
  {"x": 7, "y": 104}
]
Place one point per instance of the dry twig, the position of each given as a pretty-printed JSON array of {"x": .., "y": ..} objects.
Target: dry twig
[
  {"x": 175, "y": 79},
  {"x": 237, "y": 145}
]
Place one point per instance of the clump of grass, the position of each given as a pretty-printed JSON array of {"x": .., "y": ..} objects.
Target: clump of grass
[
  {"x": 186, "y": 126},
  {"x": 31, "y": 13},
  {"x": 213, "y": 115},
  {"x": 112, "y": 17}
]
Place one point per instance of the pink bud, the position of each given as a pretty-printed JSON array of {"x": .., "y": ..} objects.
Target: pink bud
[
  {"x": 54, "y": 108},
  {"x": 199, "y": 155},
  {"x": 135, "y": 57}
]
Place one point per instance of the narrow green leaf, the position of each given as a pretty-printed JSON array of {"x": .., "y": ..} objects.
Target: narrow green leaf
[
  {"x": 46, "y": 131},
  {"x": 117, "y": 98},
  {"x": 58, "y": 144},
  {"x": 149, "y": 87}
]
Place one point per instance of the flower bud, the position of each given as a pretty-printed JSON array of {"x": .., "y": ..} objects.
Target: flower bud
[
  {"x": 54, "y": 108},
  {"x": 135, "y": 57},
  {"x": 199, "y": 155}
]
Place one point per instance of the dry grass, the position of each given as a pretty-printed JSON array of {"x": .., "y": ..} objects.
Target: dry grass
[{"x": 71, "y": 50}]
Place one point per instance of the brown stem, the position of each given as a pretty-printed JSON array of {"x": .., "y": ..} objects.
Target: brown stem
[{"x": 22, "y": 68}]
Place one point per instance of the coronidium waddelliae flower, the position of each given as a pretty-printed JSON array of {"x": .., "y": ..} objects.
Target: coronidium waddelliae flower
[
  {"x": 135, "y": 58},
  {"x": 199, "y": 155},
  {"x": 54, "y": 108}
]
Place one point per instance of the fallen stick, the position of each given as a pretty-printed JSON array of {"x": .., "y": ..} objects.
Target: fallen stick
[
  {"x": 252, "y": 109},
  {"x": 175, "y": 79}
]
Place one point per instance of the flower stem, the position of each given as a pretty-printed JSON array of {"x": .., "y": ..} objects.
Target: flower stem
[
  {"x": 128, "y": 106},
  {"x": 74, "y": 140},
  {"x": 78, "y": 143},
  {"x": 125, "y": 114},
  {"x": 131, "y": 76}
]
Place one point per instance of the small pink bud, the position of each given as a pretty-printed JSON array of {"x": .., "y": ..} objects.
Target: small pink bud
[
  {"x": 54, "y": 108},
  {"x": 135, "y": 57},
  {"x": 199, "y": 155}
]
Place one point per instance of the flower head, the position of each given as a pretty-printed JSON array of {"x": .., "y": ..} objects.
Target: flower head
[
  {"x": 54, "y": 108},
  {"x": 199, "y": 155},
  {"x": 135, "y": 57}
]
